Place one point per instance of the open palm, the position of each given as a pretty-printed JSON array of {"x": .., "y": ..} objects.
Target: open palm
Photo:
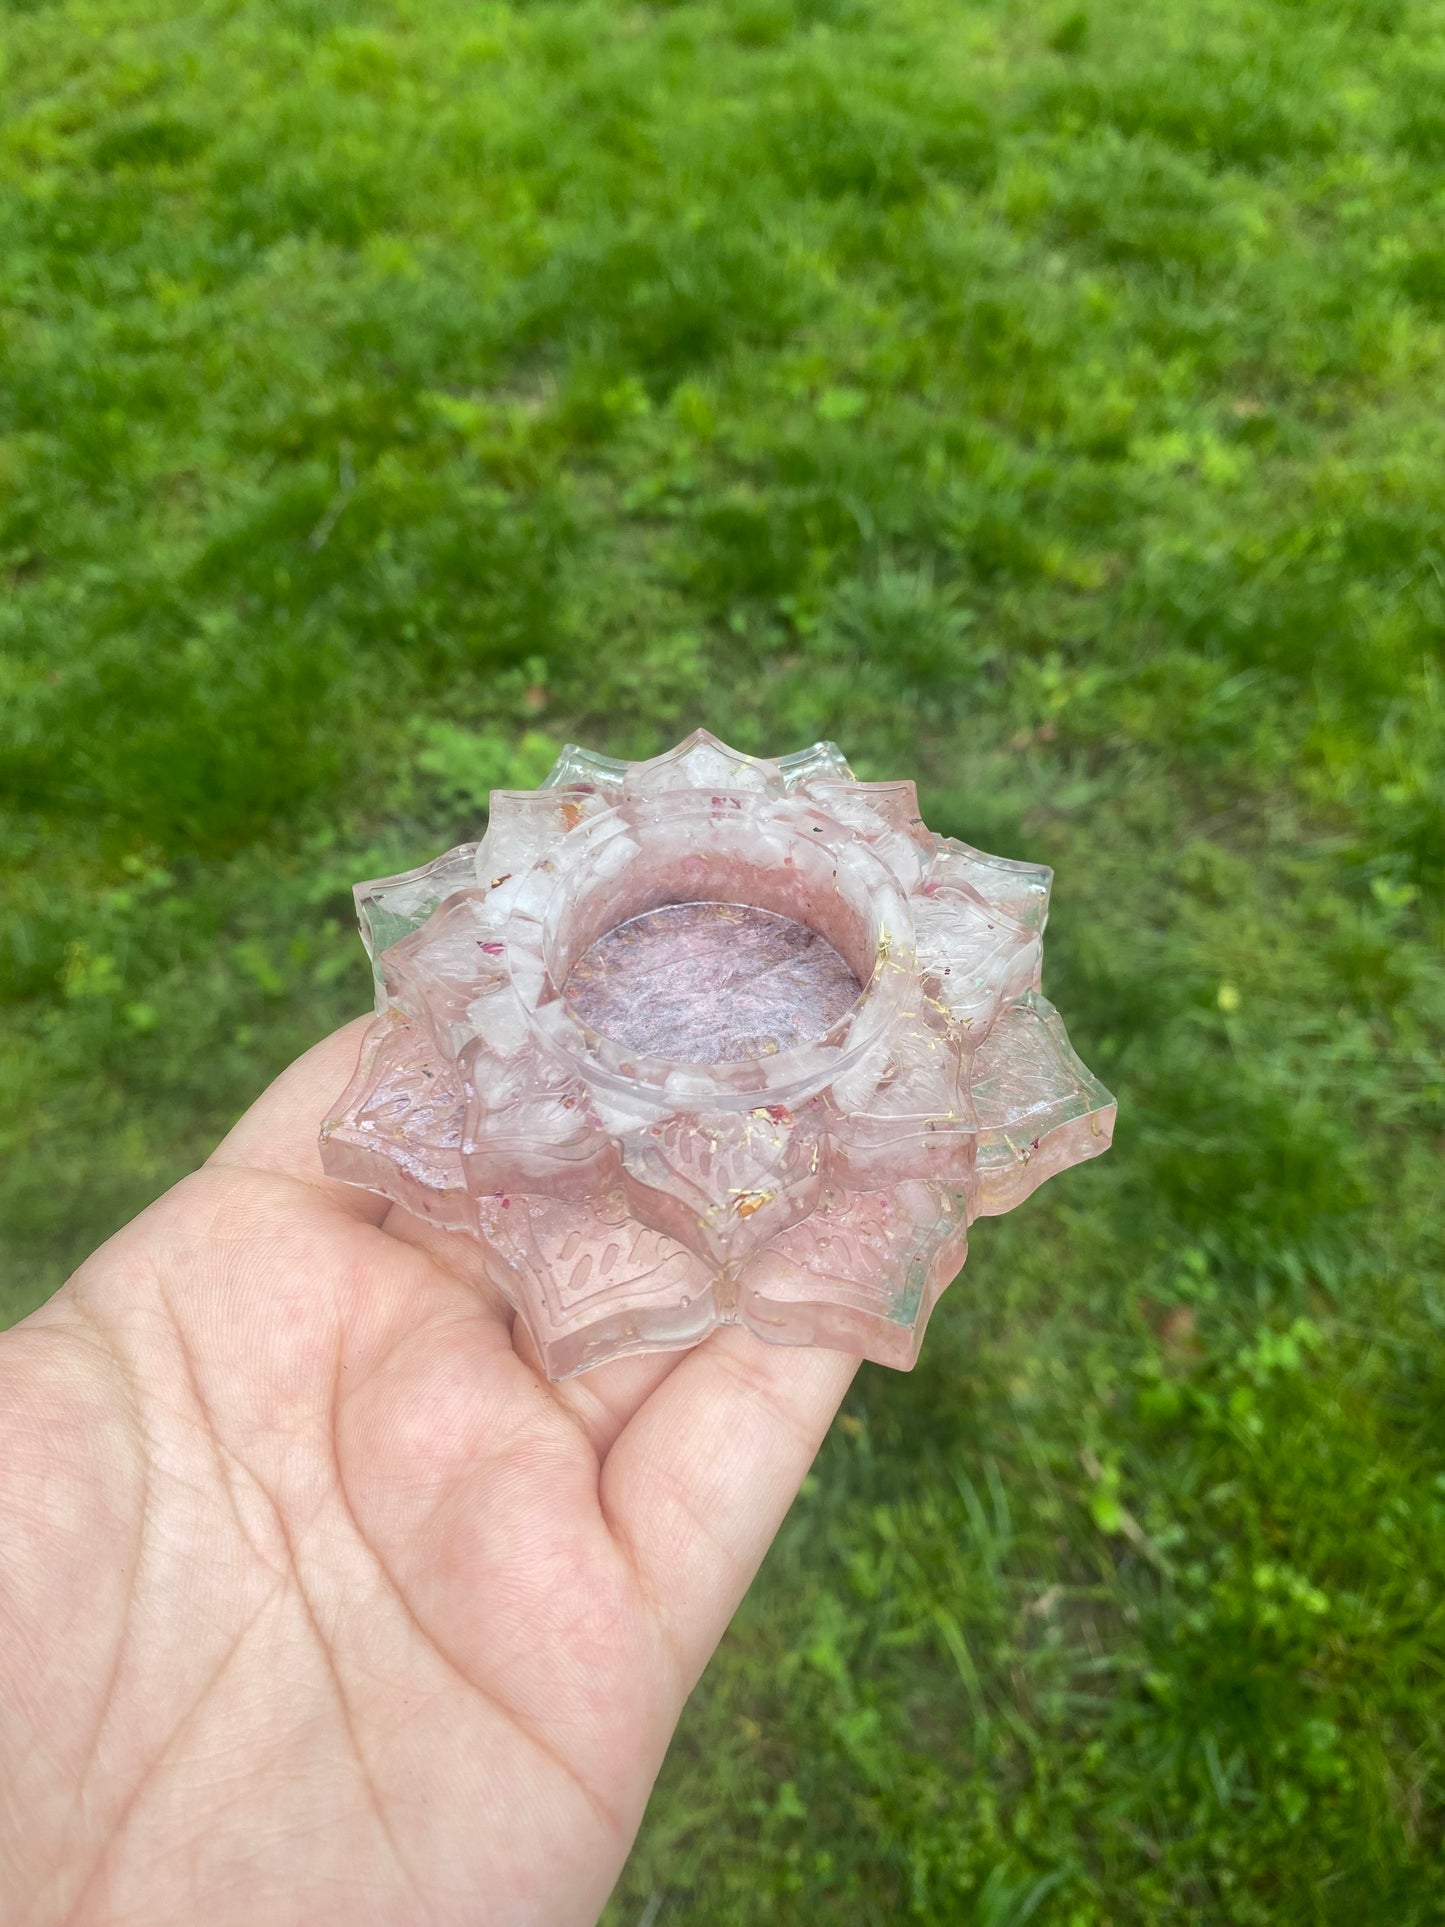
[{"x": 317, "y": 1603}]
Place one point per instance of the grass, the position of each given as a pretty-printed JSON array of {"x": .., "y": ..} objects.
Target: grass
[{"x": 1045, "y": 400}]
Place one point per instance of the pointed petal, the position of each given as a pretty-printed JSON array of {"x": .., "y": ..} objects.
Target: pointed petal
[
  {"x": 886, "y": 816},
  {"x": 701, "y": 762},
  {"x": 390, "y": 908},
  {"x": 593, "y": 1283},
  {"x": 439, "y": 975},
  {"x": 904, "y": 1111},
  {"x": 723, "y": 1182},
  {"x": 975, "y": 960},
  {"x": 1019, "y": 891},
  {"x": 817, "y": 760},
  {"x": 584, "y": 769},
  {"x": 531, "y": 1125},
  {"x": 1039, "y": 1109},
  {"x": 861, "y": 1274},
  {"x": 397, "y": 1127},
  {"x": 523, "y": 825}
]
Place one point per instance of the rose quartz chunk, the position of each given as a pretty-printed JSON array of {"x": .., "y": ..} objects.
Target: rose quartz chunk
[{"x": 711, "y": 983}]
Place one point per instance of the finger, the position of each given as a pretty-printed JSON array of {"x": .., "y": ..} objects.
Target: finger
[
  {"x": 699, "y": 1482},
  {"x": 280, "y": 1131},
  {"x": 605, "y": 1399},
  {"x": 454, "y": 1253}
]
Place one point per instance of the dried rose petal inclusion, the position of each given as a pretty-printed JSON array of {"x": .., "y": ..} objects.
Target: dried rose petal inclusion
[{"x": 709, "y": 983}]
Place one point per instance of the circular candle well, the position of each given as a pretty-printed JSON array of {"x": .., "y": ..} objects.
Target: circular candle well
[{"x": 710, "y": 983}]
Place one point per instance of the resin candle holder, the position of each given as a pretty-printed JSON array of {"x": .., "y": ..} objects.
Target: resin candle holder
[{"x": 711, "y": 1040}]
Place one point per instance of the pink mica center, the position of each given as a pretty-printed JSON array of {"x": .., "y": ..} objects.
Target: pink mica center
[{"x": 710, "y": 983}]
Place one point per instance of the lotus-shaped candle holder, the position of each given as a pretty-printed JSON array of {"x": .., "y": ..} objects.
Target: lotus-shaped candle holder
[{"x": 713, "y": 1039}]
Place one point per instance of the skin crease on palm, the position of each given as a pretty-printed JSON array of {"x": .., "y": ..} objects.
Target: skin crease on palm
[{"x": 318, "y": 1604}]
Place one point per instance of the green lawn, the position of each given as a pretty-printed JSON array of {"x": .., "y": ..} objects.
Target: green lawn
[{"x": 1043, "y": 400}]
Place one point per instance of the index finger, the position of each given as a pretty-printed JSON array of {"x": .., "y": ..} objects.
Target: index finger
[{"x": 699, "y": 1481}]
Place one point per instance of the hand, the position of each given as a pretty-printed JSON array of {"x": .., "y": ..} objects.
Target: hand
[{"x": 317, "y": 1603}]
